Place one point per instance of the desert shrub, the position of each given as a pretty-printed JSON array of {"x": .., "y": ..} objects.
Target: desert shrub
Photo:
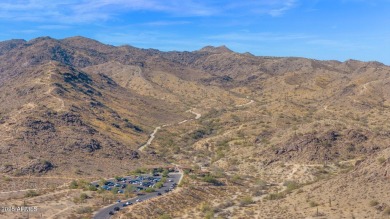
[
  {"x": 247, "y": 200},
  {"x": 275, "y": 196},
  {"x": 92, "y": 188},
  {"x": 118, "y": 178},
  {"x": 165, "y": 216},
  {"x": 83, "y": 197},
  {"x": 74, "y": 184},
  {"x": 261, "y": 183},
  {"x": 7, "y": 179},
  {"x": 205, "y": 207},
  {"x": 102, "y": 182},
  {"x": 257, "y": 191},
  {"x": 313, "y": 204},
  {"x": 211, "y": 179},
  {"x": 31, "y": 193},
  {"x": 381, "y": 160},
  {"x": 209, "y": 215},
  {"x": 84, "y": 210},
  {"x": 291, "y": 185},
  {"x": 226, "y": 204},
  {"x": 374, "y": 203}
]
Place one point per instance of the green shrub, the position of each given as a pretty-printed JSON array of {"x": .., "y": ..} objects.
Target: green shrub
[
  {"x": 92, "y": 188},
  {"x": 149, "y": 190},
  {"x": 159, "y": 185},
  {"x": 74, "y": 184},
  {"x": 165, "y": 173}
]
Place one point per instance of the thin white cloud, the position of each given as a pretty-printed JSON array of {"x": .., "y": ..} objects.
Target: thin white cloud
[
  {"x": 268, "y": 7},
  {"x": 165, "y": 23},
  {"x": 286, "y": 6},
  {"x": 86, "y": 11},
  {"x": 258, "y": 37}
]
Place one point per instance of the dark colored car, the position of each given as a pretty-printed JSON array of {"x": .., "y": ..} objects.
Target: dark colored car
[
  {"x": 116, "y": 208},
  {"x": 111, "y": 213},
  {"x": 158, "y": 193}
]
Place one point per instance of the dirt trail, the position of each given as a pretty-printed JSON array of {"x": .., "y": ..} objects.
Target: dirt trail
[
  {"x": 62, "y": 102},
  {"x": 197, "y": 115},
  {"x": 153, "y": 135},
  {"x": 151, "y": 138},
  {"x": 245, "y": 104}
]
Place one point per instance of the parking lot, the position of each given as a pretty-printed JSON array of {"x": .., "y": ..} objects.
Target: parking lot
[{"x": 143, "y": 186}]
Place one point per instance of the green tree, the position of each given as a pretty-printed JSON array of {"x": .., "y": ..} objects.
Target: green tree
[{"x": 165, "y": 173}]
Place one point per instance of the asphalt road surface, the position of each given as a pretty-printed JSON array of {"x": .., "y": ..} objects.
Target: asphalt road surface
[{"x": 104, "y": 212}]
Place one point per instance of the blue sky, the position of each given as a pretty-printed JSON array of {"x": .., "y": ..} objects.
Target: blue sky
[{"x": 320, "y": 29}]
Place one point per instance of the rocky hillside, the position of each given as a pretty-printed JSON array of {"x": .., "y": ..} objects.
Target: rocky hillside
[{"x": 81, "y": 108}]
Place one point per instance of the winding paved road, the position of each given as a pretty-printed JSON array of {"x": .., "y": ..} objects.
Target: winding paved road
[{"x": 104, "y": 212}]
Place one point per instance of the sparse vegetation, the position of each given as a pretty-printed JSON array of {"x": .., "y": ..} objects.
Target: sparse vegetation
[
  {"x": 275, "y": 196},
  {"x": 247, "y": 200},
  {"x": 31, "y": 193},
  {"x": 381, "y": 160},
  {"x": 84, "y": 210},
  {"x": 313, "y": 204},
  {"x": 374, "y": 203}
]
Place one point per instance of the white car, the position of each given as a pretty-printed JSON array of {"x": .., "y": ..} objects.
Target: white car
[{"x": 138, "y": 200}]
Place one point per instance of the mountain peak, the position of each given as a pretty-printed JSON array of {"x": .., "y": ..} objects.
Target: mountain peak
[{"x": 213, "y": 49}]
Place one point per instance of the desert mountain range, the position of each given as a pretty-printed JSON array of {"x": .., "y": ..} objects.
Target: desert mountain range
[{"x": 78, "y": 108}]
